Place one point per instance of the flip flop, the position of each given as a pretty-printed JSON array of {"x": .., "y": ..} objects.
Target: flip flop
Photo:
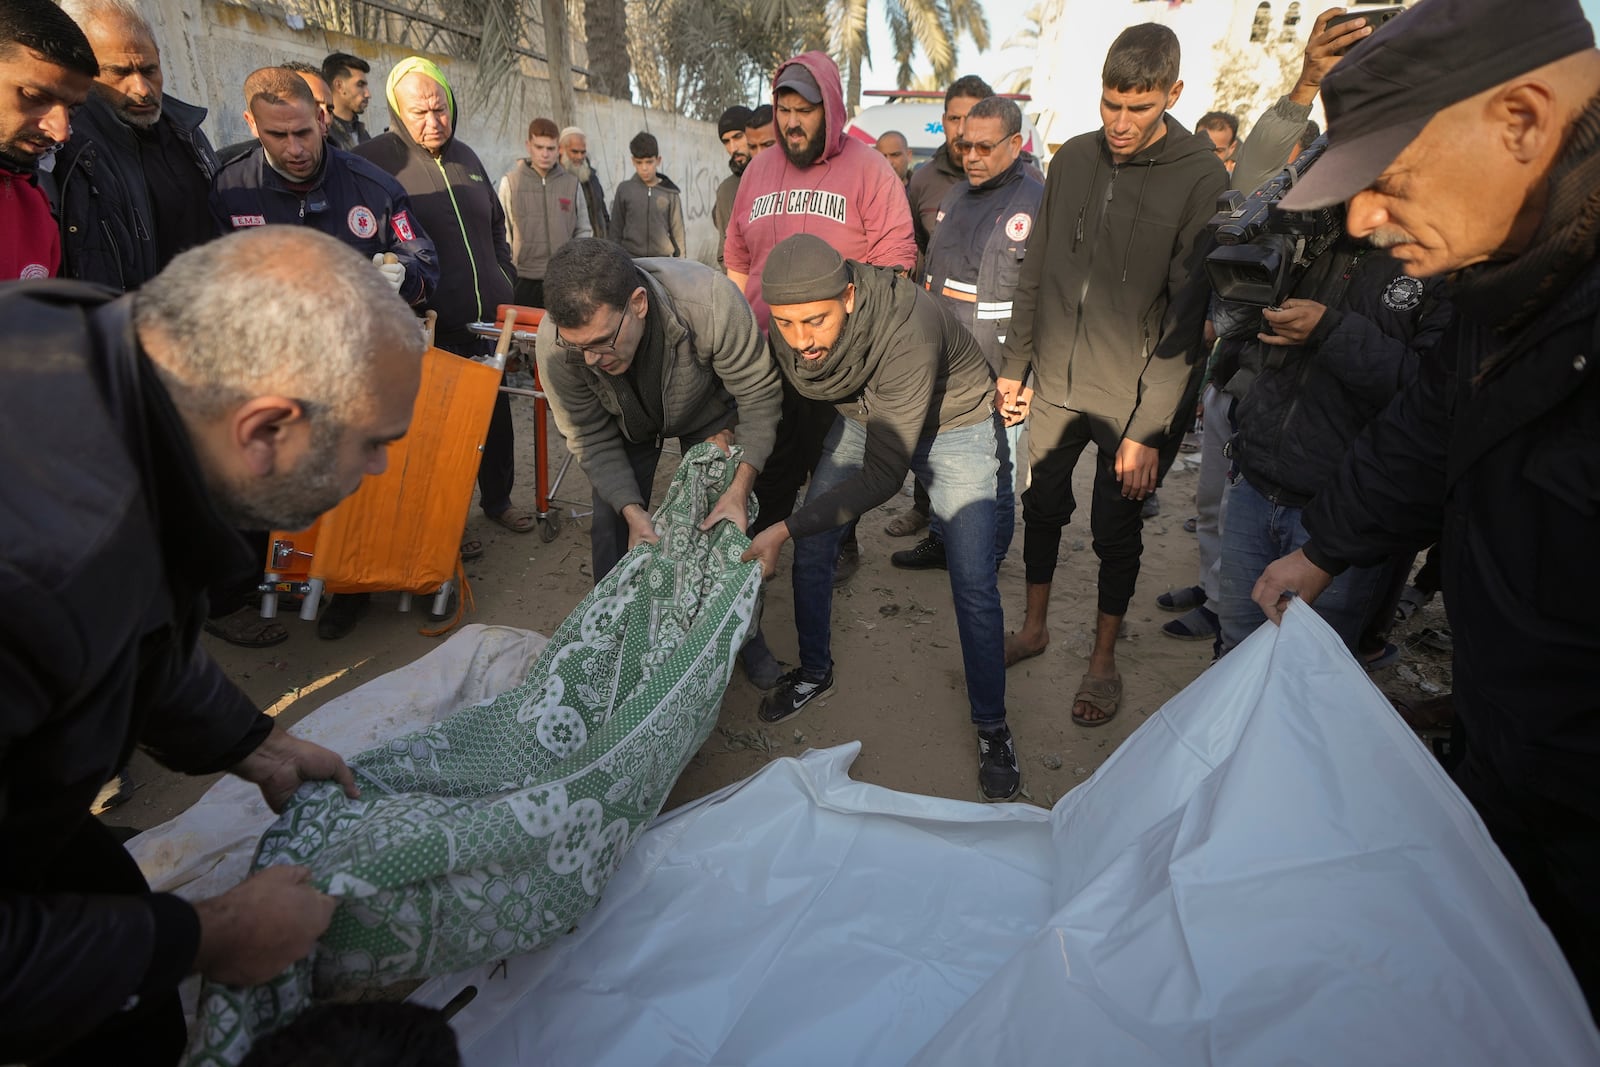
[
  {"x": 471, "y": 549},
  {"x": 247, "y": 629},
  {"x": 515, "y": 519},
  {"x": 1387, "y": 657},
  {"x": 1103, "y": 694}
]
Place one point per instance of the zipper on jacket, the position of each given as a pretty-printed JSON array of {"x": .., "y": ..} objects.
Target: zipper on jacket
[
  {"x": 116, "y": 253},
  {"x": 477, "y": 292}
]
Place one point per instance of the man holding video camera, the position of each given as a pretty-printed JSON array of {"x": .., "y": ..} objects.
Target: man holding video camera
[
  {"x": 1468, "y": 143},
  {"x": 1309, "y": 373}
]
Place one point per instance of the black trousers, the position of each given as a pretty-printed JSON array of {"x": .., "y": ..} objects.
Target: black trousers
[
  {"x": 1057, "y": 437},
  {"x": 529, "y": 292},
  {"x": 1555, "y": 850},
  {"x": 150, "y": 1034},
  {"x": 608, "y": 531},
  {"x": 802, "y": 425},
  {"x": 497, "y": 469}
]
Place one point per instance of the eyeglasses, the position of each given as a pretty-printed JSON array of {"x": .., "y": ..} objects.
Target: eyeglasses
[
  {"x": 981, "y": 149},
  {"x": 606, "y": 348}
]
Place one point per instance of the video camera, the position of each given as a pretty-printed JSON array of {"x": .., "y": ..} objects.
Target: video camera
[{"x": 1262, "y": 249}]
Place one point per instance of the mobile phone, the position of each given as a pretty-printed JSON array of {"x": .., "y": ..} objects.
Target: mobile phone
[{"x": 1373, "y": 16}]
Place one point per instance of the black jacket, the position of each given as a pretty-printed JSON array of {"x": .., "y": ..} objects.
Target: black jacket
[
  {"x": 107, "y": 226},
  {"x": 1306, "y": 404},
  {"x": 455, "y": 199},
  {"x": 1506, "y": 475},
  {"x": 348, "y": 198},
  {"x": 108, "y": 541},
  {"x": 1111, "y": 305}
]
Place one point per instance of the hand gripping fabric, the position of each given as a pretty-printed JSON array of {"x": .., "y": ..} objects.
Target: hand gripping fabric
[{"x": 493, "y": 831}]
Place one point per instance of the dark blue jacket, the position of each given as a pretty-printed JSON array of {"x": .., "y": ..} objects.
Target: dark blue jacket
[
  {"x": 349, "y": 198},
  {"x": 974, "y": 258}
]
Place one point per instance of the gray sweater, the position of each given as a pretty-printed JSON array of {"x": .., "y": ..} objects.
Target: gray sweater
[{"x": 718, "y": 373}]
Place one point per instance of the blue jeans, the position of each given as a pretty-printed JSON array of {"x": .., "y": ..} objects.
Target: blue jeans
[
  {"x": 1258, "y": 532},
  {"x": 959, "y": 468},
  {"x": 1005, "y": 498}
]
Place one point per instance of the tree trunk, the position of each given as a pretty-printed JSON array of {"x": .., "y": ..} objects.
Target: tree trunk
[
  {"x": 609, "y": 66},
  {"x": 559, "y": 59},
  {"x": 852, "y": 100}
]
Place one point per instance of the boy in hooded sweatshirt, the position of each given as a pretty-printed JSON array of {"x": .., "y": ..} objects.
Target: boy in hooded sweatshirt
[
  {"x": 647, "y": 213},
  {"x": 1108, "y": 316}
]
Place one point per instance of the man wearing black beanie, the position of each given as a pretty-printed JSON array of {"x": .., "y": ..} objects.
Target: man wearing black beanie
[
  {"x": 893, "y": 361},
  {"x": 730, "y": 127}
]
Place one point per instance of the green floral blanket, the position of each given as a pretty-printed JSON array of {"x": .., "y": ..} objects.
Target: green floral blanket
[{"x": 493, "y": 831}]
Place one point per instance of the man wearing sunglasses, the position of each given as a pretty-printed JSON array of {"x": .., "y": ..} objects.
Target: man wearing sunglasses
[
  {"x": 974, "y": 261},
  {"x": 632, "y": 352}
]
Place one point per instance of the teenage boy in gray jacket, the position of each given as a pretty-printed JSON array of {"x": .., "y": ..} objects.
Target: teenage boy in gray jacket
[
  {"x": 634, "y": 351},
  {"x": 647, "y": 213}
]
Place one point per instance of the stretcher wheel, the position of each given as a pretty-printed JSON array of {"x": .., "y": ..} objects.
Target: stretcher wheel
[{"x": 549, "y": 527}]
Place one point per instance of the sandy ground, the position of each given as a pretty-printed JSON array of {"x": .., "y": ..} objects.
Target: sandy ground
[{"x": 900, "y": 688}]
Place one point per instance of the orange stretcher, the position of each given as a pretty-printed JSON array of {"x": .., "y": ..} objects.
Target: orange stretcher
[
  {"x": 401, "y": 530},
  {"x": 524, "y": 332}
]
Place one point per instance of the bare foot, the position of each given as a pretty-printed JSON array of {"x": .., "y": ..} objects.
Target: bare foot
[{"x": 1021, "y": 646}]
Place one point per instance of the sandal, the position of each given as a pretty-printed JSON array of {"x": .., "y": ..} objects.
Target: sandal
[
  {"x": 247, "y": 629},
  {"x": 471, "y": 549},
  {"x": 515, "y": 519},
  {"x": 1102, "y": 694},
  {"x": 906, "y": 523}
]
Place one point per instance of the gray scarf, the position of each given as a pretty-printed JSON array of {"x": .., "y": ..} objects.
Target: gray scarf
[{"x": 884, "y": 301}]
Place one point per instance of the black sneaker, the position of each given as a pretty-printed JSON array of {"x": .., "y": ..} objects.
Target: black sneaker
[
  {"x": 999, "y": 777},
  {"x": 790, "y": 696},
  {"x": 926, "y": 554}
]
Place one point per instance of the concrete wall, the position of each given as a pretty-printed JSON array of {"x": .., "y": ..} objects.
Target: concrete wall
[{"x": 209, "y": 46}]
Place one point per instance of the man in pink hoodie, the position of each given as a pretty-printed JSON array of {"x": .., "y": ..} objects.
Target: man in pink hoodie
[
  {"x": 826, "y": 183},
  {"x": 823, "y": 182}
]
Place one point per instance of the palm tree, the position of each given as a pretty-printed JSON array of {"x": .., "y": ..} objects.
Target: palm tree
[
  {"x": 1021, "y": 79},
  {"x": 931, "y": 26}
]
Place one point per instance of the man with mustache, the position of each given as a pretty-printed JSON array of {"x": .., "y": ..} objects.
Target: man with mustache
[
  {"x": 730, "y": 129},
  {"x": 137, "y": 163},
  {"x": 827, "y": 183},
  {"x": 294, "y": 176},
  {"x": 909, "y": 390},
  {"x": 1466, "y": 143},
  {"x": 254, "y": 382},
  {"x": 46, "y": 66},
  {"x": 574, "y": 145}
]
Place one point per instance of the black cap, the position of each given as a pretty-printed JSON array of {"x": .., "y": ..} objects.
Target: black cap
[
  {"x": 735, "y": 118},
  {"x": 1384, "y": 91},
  {"x": 802, "y": 269},
  {"x": 797, "y": 78}
]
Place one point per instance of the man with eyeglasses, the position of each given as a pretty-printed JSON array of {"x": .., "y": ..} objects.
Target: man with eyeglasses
[
  {"x": 632, "y": 352},
  {"x": 974, "y": 262}
]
